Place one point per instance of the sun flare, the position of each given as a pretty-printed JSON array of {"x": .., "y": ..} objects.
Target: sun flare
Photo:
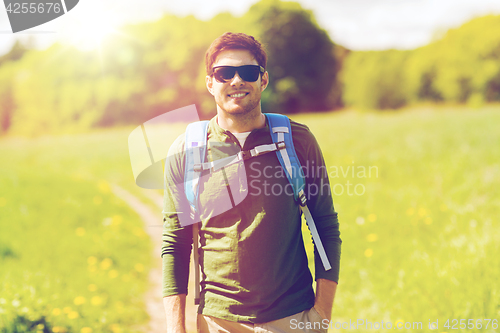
[{"x": 88, "y": 31}]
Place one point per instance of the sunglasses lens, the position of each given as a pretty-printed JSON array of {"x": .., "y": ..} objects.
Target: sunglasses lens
[
  {"x": 249, "y": 73},
  {"x": 223, "y": 74}
]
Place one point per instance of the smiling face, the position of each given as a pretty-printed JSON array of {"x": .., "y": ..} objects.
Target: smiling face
[{"x": 236, "y": 96}]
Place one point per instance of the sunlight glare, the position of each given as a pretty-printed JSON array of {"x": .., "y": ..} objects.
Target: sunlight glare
[{"x": 90, "y": 32}]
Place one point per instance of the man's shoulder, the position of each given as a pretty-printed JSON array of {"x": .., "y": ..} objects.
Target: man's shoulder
[
  {"x": 301, "y": 131},
  {"x": 177, "y": 147}
]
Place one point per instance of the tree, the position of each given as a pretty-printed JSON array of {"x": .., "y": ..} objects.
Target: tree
[{"x": 302, "y": 64}]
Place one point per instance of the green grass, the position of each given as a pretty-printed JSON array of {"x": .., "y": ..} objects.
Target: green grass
[
  {"x": 420, "y": 242},
  {"x": 73, "y": 257}
]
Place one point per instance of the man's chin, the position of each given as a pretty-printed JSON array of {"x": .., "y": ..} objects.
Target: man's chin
[{"x": 237, "y": 110}]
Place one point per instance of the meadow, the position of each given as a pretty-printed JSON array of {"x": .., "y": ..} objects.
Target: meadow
[{"x": 418, "y": 226}]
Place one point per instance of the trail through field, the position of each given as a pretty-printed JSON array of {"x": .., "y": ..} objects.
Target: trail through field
[{"x": 153, "y": 299}]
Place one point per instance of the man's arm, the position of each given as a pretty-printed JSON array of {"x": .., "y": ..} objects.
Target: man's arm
[
  {"x": 176, "y": 242},
  {"x": 325, "y": 293},
  {"x": 325, "y": 217},
  {"x": 175, "y": 309}
]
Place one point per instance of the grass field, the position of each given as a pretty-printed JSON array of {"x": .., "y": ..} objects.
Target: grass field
[{"x": 417, "y": 220}]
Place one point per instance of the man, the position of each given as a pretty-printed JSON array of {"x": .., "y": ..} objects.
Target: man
[{"x": 255, "y": 271}]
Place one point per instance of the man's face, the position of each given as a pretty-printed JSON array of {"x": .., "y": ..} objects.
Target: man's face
[{"x": 237, "y": 96}]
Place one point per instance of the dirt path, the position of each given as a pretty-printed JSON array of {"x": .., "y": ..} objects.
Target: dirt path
[{"x": 153, "y": 226}]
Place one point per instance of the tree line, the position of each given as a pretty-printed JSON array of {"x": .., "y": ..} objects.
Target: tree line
[
  {"x": 461, "y": 67},
  {"x": 155, "y": 67}
]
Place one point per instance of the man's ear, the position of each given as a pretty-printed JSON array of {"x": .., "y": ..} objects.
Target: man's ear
[
  {"x": 208, "y": 81},
  {"x": 264, "y": 81}
]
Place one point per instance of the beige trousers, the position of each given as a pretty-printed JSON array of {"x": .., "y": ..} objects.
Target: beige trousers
[{"x": 307, "y": 321}]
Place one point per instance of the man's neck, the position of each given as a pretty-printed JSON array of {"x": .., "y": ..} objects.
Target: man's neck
[{"x": 241, "y": 123}]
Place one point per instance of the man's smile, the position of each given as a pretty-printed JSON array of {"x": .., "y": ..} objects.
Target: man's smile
[{"x": 238, "y": 95}]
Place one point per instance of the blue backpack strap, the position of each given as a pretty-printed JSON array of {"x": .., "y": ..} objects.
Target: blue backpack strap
[
  {"x": 195, "y": 148},
  {"x": 279, "y": 126}
]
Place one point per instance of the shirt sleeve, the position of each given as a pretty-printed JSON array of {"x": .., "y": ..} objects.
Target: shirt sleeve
[
  {"x": 319, "y": 201},
  {"x": 176, "y": 240}
]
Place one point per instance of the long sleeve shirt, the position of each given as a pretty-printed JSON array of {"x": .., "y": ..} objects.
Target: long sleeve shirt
[{"x": 254, "y": 264}]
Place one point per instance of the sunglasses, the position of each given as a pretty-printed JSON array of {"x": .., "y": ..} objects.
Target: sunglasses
[{"x": 249, "y": 73}]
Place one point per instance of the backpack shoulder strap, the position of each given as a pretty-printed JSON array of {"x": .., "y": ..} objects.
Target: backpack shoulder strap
[
  {"x": 280, "y": 128},
  {"x": 195, "y": 149},
  {"x": 281, "y": 131}
]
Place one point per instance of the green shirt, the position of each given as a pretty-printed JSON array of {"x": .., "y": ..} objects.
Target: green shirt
[{"x": 254, "y": 264}]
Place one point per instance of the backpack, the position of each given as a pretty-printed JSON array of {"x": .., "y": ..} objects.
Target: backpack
[{"x": 281, "y": 133}]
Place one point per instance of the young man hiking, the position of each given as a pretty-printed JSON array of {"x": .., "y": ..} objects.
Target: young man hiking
[{"x": 254, "y": 264}]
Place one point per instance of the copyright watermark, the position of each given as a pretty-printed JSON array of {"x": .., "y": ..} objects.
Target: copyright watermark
[
  {"x": 357, "y": 324},
  {"x": 261, "y": 179},
  {"x": 26, "y": 14}
]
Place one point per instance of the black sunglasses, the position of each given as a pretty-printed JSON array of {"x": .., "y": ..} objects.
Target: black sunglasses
[{"x": 249, "y": 73}]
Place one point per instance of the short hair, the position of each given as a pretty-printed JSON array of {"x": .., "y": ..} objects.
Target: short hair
[{"x": 235, "y": 41}]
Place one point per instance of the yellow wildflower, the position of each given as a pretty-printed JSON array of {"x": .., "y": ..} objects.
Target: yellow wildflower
[
  {"x": 86, "y": 330},
  {"x": 91, "y": 260},
  {"x": 116, "y": 220},
  {"x": 96, "y": 300},
  {"x": 113, "y": 273},
  {"x": 139, "y": 232},
  {"x": 372, "y": 237},
  {"x": 73, "y": 315},
  {"x": 139, "y": 267},
  {"x": 79, "y": 300},
  {"x": 103, "y": 186},
  {"x": 422, "y": 212},
  {"x": 368, "y": 253},
  {"x": 106, "y": 263},
  {"x": 115, "y": 328}
]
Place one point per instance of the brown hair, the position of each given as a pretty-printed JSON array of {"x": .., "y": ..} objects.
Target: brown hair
[{"x": 235, "y": 41}]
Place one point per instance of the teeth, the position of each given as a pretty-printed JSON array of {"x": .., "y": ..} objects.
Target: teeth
[{"x": 238, "y": 95}]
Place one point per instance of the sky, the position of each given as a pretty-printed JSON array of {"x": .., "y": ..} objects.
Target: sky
[{"x": 355, "y": 24}]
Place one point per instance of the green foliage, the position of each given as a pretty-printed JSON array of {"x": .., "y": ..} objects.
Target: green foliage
[
  {"x": 155, "y": 67},
  {"x": 302, "y": 64},
  {"x": 462, "y": 67},
  {"x": 16, "y": 52},
  {"x": 371, "y": 81}
]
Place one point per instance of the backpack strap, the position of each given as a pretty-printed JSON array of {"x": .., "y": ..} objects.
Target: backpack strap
[
  {"x": 195, "y": 148},
  {"x": 279, "y": 126}
]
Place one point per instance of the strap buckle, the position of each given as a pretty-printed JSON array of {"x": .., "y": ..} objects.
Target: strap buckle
[
  {"x": 302, "y": 198},
  {"x": 198, "y": 167},
  {"x": 280, "y": 145},
  {"x": 192, "y": 213},
  {"x": 244, "y": 154}
]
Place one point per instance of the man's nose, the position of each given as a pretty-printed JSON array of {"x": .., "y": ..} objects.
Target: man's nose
[{"x": 237, "y": 80}]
